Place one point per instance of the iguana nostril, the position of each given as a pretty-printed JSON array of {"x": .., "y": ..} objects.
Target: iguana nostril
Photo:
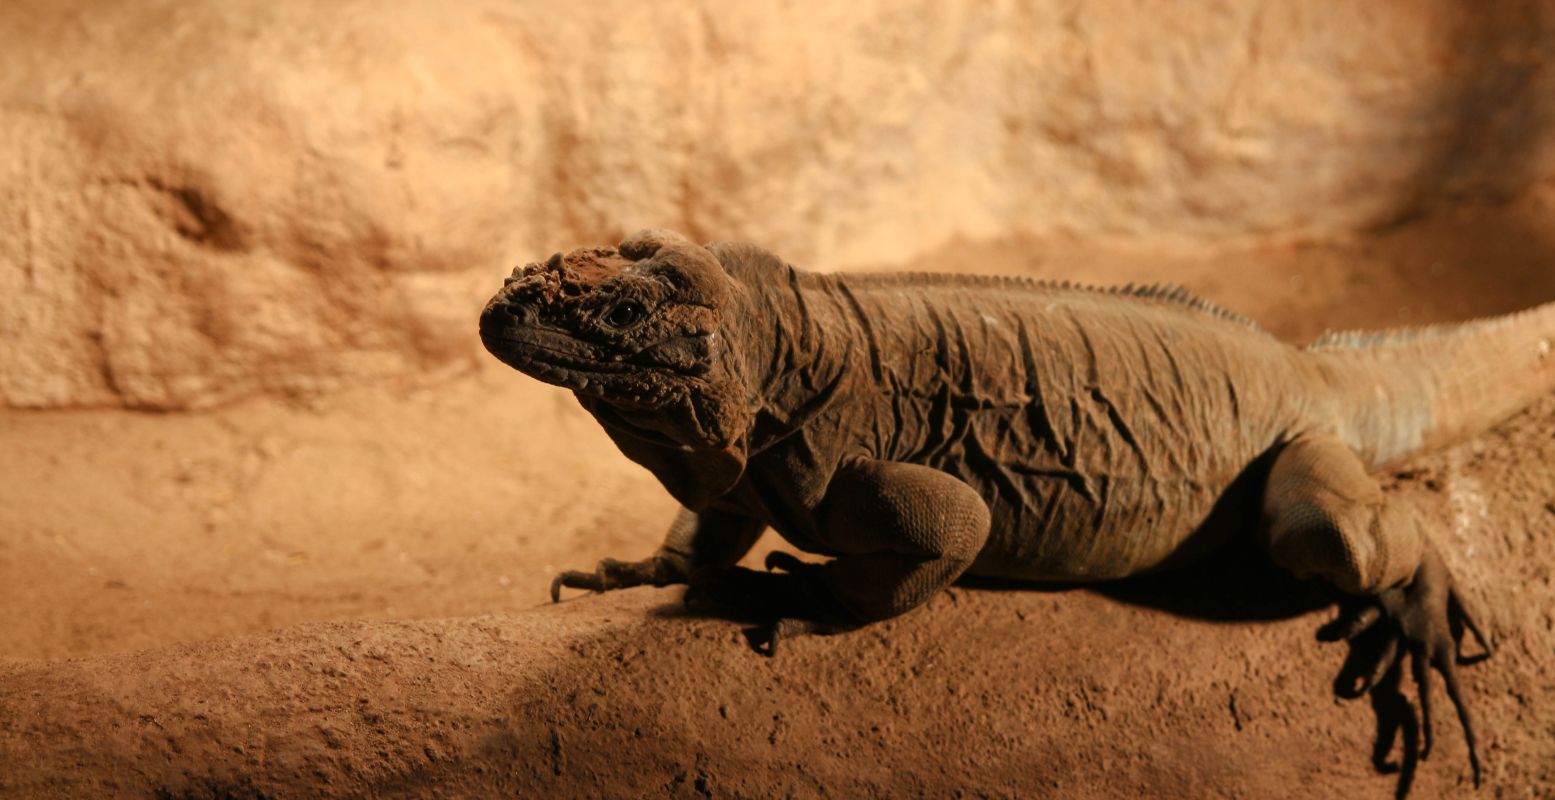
[{"x": 520, "y": 313}]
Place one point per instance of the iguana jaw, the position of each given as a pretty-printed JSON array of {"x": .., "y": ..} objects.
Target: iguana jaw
[
  {"x": 557, "y": 359},
  {"x": 548, "y": 356}
]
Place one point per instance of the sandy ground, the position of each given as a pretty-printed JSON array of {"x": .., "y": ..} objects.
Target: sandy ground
[{"x": 145, "y": 560}]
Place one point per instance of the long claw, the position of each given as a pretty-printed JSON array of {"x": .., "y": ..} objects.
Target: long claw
[
  {"x": 574, "y": 579},
  {"x": 1422, "y": 670},
  {"x": 1449, "y": 672}
]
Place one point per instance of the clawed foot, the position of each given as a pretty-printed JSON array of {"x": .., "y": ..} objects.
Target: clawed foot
[
  {"x": 789, "y": 599},
  {"x": 1426, "y": 619},
  {"x": 662, "y": 569}
]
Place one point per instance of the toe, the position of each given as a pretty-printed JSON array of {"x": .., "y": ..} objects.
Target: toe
[
  {"x": 573, "y": 579},
  {"x": 1422, "y": 672},
  {"x": 764, "y": 638},
  {"x": 1385, "y": 661},
  {"x": 1459, "y": 620},
  {"x": 1448, "y": 667}
]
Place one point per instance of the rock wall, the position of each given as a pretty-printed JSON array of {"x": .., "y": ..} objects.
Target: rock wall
[{"x": 200, "y": 203}]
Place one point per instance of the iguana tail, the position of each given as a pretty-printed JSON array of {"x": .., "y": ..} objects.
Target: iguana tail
[{"x": 1413, "y": 389}]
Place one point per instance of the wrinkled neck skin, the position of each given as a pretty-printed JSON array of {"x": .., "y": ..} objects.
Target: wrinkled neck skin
[{"x": 794, "y": 359}]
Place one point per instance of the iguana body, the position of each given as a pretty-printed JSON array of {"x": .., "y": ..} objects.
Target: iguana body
[{"x": 921, "y": 427}]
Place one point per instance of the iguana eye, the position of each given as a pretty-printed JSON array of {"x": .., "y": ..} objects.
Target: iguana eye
[{"x": 625, "y": 315}]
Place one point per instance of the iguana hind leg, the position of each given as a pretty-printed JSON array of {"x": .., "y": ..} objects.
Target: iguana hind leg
[
  {"x": 1325, "y": 517},
  {"x": 901, "y": 531},
  {"x": 709, "y": 539}
]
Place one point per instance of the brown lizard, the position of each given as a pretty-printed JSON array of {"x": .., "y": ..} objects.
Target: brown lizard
[{"x": 919, "y": 427}]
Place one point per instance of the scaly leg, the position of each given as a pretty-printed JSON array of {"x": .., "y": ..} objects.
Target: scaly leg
[
  {"x": 1325, "y": 517},
  {"x": 709, "y": 539},
  {"x": 902, "y": 532}
]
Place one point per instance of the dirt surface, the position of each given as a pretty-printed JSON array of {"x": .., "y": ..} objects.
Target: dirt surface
[{"x": 369, "y": 526}]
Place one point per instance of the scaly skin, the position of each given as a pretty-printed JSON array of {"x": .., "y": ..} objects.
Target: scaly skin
[{"x": 916, "y": 428}]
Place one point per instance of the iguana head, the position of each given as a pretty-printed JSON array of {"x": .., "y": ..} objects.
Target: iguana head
[{"x": 638, "y": 330}]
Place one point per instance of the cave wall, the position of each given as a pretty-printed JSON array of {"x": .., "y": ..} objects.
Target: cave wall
[{"x": 206, "y": 202}]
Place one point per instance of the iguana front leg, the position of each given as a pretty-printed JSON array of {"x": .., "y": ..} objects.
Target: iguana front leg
[
  {"x": 901, "y": 531},
  {"x": 708, "y": 539},
  {"x": 1325, "y": 517}
]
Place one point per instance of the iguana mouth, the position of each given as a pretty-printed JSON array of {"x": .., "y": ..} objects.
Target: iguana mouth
[
  {"x": 610, "y": 380},
  {"x": 529, "y": 351},
  {"x": 557, "y": 366}
]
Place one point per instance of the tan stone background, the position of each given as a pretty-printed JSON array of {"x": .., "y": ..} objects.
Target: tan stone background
[{"x": 201, "y": 202}]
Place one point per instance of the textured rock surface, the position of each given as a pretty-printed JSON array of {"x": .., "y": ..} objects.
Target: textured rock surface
[
  {"x": 1206, "y": 683},
  {"x": 203, "y": 203}
]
